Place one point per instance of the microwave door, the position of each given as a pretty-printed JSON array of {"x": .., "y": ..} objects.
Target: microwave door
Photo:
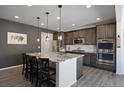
[{"x": 76, "y": 41}]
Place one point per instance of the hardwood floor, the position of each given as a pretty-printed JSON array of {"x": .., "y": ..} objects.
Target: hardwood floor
[
  {"x": 92, "y": 78},
  {"x": 13, "y": 78},
  {"x": 99, "y": 78}
]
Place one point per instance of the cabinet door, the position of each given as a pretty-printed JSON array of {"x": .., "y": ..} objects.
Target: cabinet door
[
  {"x": 90, "y": 36},
  {"x": 70, "y": 35},
  {"x": 93, "y": 59},
  {"x": 106, "y": 31},
  {"x": 79, "y": 67},
  {"x": 81, "y": 33},
  {"x": 111, "y": 31},
  {"x": 65, "y": 38},
  {"x": 93, "y": 36},
  {"x": 86, "y": 59},
  {"x": 75, "y": 34},
  {"x": 55, "y": 36},
  {"x": 101, "y": 32}
]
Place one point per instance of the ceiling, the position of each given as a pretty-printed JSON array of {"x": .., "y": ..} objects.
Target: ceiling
[{"x": 71, "y": 14}]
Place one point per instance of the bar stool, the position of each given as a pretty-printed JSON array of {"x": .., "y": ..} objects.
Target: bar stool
[
  {"x": 34, "y": 69},
  {"x": 24, "y": 63},
  {"x": 27, "y": 67},
  {"x": 46, "y": 72}
]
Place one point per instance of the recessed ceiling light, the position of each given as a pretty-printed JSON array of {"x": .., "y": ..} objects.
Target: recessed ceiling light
[
  {"x": 42, "y": 24},
  {"x": 73, "y": 24},
  {"x": 29, "y": 5},
  {"x": 98, "y": 19},
  {"x": 58, "y": 17},
  {"x": 38, "y": 47},
  {"x": 88, "y": 6},
  {"x": 57, "y": 28},
  {"x": 16, "y": 16}
]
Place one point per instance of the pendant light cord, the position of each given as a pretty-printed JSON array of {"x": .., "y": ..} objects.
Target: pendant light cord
[
  {"x": 47, "y": 21},
  {"x": 38, "y": 22},
  {"x": 47, "y": 13},
  {"x": 59, "y": 32},
  {"x": 60, "y": 19}
]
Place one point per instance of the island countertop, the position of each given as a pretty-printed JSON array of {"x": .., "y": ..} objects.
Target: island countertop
[
  {"x": 68, "y": 67},
  {"x": 55, "y": 56}
]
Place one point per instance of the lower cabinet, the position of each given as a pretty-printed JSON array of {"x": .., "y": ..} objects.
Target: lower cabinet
[
  {"x": 90, "y": 59},
  {"x": 86, "y": 59},
  {"x": 93, "y": 59},
  {"x": 79, "y": 67}
]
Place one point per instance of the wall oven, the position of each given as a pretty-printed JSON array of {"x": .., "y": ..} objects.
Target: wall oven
[{"x": 106, "y": 51}]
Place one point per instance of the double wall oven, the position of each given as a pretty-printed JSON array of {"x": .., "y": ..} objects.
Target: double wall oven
[{"x": 106, "y": 51}]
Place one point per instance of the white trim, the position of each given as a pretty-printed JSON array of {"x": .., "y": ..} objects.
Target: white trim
[
  {"x": 118, "y": 73},
  {"x": 10, "y": 67}
]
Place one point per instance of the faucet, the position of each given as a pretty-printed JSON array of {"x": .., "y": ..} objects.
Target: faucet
[{"x": 79, "y": 48}]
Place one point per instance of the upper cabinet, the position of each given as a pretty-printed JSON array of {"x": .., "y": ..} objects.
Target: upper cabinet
[
  {"x": 106, "y": 31},
  {"x": 89, "y": 36},
  {"x": 68, "y": 38},
  {"x": 55, "y": 36}
]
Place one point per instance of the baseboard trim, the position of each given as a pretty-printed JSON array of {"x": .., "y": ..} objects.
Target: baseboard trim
[
  {"x": 119, "y": 73},
  {"x": 10, "y": 67}
]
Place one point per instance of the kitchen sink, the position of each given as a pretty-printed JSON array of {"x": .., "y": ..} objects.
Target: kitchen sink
[{"x": 80, "y": 51}]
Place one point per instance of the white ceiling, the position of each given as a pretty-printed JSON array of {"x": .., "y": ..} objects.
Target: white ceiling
[{"x": 71, "y": 14}]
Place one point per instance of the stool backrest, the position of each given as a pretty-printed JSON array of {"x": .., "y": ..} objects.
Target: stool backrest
[
  {"x": 44, "y": 62},
  {"x": 24, "y": 58},
  {"x": 33, "y": 62}
]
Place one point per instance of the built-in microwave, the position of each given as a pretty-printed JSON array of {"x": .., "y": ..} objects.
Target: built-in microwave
[{"x": 79, "y": 41}]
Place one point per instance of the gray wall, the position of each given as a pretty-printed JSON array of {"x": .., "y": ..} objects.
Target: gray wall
[{"x": 10, "y": 55}]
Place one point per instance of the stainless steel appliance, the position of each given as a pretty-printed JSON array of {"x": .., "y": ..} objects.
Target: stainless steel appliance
[
  {"x": 106, "y": 51},
  {"x": 78, "y": 41}
]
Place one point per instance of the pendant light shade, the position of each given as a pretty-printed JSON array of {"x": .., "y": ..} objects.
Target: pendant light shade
[
  {"x": 38, "y": 37},
  {"x": 60, "y": 37},
  {"x": 47, "y": 37}
]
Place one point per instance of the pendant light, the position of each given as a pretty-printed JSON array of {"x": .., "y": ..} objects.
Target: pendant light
[
  {"x": 47, "y": 37},
  {"x": 59, "y": 34},
  {"x": 38, "y": 37}
]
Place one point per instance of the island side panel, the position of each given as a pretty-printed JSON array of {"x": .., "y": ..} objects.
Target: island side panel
[{"x": 66, "y": 73}]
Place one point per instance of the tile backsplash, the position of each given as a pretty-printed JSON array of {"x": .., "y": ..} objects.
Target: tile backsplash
[{"x": 86, "y": 48}]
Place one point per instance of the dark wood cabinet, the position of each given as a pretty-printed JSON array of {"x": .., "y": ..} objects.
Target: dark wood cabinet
[
  {"x": 90, "y": 59},
  {"x": 93, "y": 59},
  {"x": 106, "y": 31},
  {"x": 86, "y": 59},
  {"x": 89, "y": 36},
  {"x": 68, "y": 38},
  {"x": 55, "y": 36},
  {"x": 75, "y": 34}
]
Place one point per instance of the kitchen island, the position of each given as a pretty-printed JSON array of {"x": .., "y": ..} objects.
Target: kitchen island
[{"x": 68, "y": 66}]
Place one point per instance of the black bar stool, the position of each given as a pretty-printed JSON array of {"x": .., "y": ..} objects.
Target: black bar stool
[
  {"x": 27, "y": 67},
  {"x": 24, "y": 63},
  {"x": 46, "y": 72}
]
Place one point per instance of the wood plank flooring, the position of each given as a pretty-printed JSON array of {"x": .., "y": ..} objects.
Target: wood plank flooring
[
  {"x": 13, "y": 78},
  {"x": 92, "y": 78},
  {"x": 99, "y": 78}
]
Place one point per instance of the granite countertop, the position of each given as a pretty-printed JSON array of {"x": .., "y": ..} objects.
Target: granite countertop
[
  {"x": 79, "y": 52},
  {"x": 56, "y": 56}
]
